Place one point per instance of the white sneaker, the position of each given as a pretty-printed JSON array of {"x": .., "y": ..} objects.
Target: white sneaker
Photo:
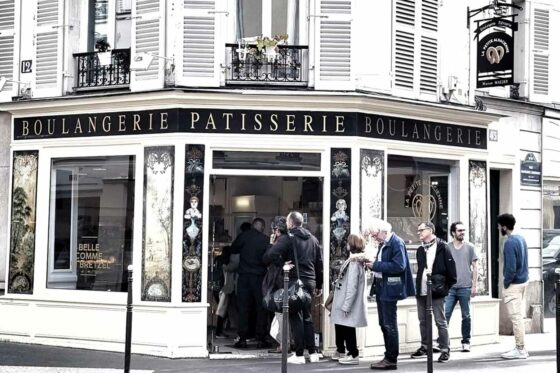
[
  {"x": 466, "y": 347},
  {"x": 336, "y": 356},
  {"x": 516, "y": 354},
  {"x": 314, "y": 358},
  {"x": 294, "y": 359},
  {"x": 349, "y": 360}
]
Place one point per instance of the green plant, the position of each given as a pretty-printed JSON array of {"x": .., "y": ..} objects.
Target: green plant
[{"x": 266, "y": 42}]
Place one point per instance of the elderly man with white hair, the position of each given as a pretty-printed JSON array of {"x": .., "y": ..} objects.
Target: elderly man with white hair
[{"x": 392, "y": 282}]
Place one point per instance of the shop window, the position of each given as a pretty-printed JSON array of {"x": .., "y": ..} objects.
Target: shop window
[
  {"x": 417, "y": 192},
  {"x": 550, "y": 243},
  {"x": 266, "y": 160},
  {"x": 90, "y": 227},
  {"x": 269, "y": 18}
]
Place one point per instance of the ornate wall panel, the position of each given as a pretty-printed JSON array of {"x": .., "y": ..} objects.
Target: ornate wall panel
[
  {"x": 158, "y": 213},
  {"x": 372, "y": 164},
  {"x": 192, "y": 223},
  {"x": 22, "y": 233},
  {"x": 340, "y": 208},
  {"x": 478, "y": 220}
]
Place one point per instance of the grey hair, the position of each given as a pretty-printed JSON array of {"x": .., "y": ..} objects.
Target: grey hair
[
  {"x": 296, "y": 218},
  {"x": 378, "y": 225}
]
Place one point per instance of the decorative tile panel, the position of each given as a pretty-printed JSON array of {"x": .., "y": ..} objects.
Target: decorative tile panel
[
  {"x": 158, "y": 224},
  {"x": 340, "y": 208},
  {"x": 372, "y": 171},
  {"x": 478, "y": 218},
  {"x": 192, "y": 223},
  {"x": 22, "y": 232}
]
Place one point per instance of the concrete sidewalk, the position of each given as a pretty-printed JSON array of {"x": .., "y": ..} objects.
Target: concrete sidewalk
[{"x": 23, "y": 358}]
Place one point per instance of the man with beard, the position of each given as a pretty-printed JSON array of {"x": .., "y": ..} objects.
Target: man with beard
[
  {"x": 465, "y": 287},
  {"x": 516, "y": 277}
]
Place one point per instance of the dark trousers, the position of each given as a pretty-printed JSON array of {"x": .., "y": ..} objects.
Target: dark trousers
[
  {"x": 249, "y": 297},
  {"x": 346, "y": 335},
  {"x": 387, "y": 314},
  {"x": 302, "y": 324}
]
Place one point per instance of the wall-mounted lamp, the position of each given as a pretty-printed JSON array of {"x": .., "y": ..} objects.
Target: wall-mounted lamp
[
  {"x": 142, "y": 61},
  {"x": 24, "y": 90}
]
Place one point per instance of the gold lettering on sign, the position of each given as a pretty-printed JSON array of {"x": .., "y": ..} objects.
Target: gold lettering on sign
[
  {"x": 106, "y": 123},
  {"x": 122, "y": 126},
  {"x": 477, "y": 137},
  {"x": 228, "y": 116},
  {"x": 380, "y": 126},
  {"x": 307, "y": 119},
  {"x": 403, "y": 133},
  {"x": 151, "y": 121},
  {"x": 426, "y": 131},
  {"x": 449, "y": 134},
  {"x": 92, "y": 124},
  {"x": 258, "y": 122},
  {"x": 210, "y": 122},
  {"x": 64, "y": 130},
  {"x": 459, "y": 136},
  {"x": 290, "y": 123},
  {"x": 78, "y": 126},
  {"x": 274, "y": 123},
  {"x": 25, "y": 128},
  {"x": 136, "y": 122},
  {"x": 243, "y": 121},
  {"x": 415, "y": 134},
  {"x": 340, "y": 123},
  {"x": 195, "y": 117},
  {"x": 40, "y": 126},
  {"x": 437, "y": 133},
  {"x": 392, "y": 127},
  {"x": 324, "y": 123},
  {"x": 163, "y": 121},
  {"x": 368, "y": 124},
  {"x": 50, "y": 129}
]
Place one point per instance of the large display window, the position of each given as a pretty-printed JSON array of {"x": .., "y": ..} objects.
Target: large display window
[{"x": 90, "y": 224}]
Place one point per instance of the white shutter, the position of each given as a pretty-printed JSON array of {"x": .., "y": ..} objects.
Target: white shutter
[
  {"x": 415, "y": 49},
  {"x": 7, "y": 40},
  {"x": 147, "y": 37},
  {"x": 333, "y": 45},
  {"x": 200, "y": 48},
  {"x": 49, "y": 48},
  {"x": 540, "y": 66}
]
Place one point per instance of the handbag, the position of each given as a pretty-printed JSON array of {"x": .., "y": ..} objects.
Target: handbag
[
  {"x": 298, "y": 297},
  {"x": 329, "y": 301}
]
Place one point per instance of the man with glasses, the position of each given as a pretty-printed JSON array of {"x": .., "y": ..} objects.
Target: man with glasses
[
  {"x": 465, "y": 262},
  {"x": 434, "y": 257},
  {"x": 392, "y": 282}
]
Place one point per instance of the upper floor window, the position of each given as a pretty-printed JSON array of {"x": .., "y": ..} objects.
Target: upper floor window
[
  {"x": 270, "y": 18},
  {"x": 109, "y": 21}
]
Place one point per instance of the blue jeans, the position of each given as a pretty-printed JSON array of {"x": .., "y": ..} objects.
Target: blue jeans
[
  {"x": 463, "y": 296},
  {"x": 387, "y": 314}
]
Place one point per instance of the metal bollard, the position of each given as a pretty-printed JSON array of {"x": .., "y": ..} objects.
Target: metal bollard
[
  {"x": 128, "y": 338},
  {"x": 429, "y": 312},
  {"x": 285, "y": 316},
  {"x": 557, "y": 287}
]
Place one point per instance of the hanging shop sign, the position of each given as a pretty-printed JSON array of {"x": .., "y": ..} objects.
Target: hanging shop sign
[
  {"x": 263, "y": 122},
  {"x": 494, "y": 40}
]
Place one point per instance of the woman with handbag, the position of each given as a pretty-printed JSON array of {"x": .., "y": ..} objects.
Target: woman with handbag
[{"x": 348, "y": 306}]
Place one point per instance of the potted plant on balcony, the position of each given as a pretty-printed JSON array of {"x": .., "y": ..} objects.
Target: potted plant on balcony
[
  {"x": 103, "y": 52},
  {"x": 270, "y": 45}
]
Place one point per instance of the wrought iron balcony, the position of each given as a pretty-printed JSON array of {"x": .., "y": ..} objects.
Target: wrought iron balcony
[
  {"x": 93, "y": 75},
  {"x": 248, "y": 66}
]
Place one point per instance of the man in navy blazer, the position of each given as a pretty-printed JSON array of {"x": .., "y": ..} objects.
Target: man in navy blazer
[{"x": 392, "y": 282}]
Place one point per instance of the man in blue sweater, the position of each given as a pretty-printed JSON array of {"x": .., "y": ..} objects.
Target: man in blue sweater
[{"x": 516, "y": 277}]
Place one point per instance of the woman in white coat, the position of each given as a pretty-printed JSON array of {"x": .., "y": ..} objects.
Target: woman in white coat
[{"x": 348, "y": 307}]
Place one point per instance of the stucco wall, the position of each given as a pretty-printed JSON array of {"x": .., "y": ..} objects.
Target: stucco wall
[{"x": 4, "y": 193}]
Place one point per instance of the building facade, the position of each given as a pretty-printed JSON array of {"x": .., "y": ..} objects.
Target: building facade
[{"x": 204, "y": 114}]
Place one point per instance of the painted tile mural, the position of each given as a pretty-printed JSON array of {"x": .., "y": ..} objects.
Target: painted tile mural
[
  {"x": 158, "y": 213},
  {"x": 192, "y": 223},
  {"x": 478, "y": 217},
  {"x": 340, "y": 208},
  {"x": 372, "y": 163},
  {"x": 22, "y": 234}
]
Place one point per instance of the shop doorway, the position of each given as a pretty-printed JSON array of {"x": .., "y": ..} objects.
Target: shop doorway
[{"x": 235, "y": 201}]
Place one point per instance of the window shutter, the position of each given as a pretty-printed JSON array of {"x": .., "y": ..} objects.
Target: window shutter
[
  {"x": 333, "y": 63},
  {"x": 49, "y": 48},
  {"x": 147, "y": 37},
  {"x": 7, "y": 25},
  {"x": 415, "y": 49},
  {"x": 540, "y": 55},
  {"x": 200, "y": 46}
]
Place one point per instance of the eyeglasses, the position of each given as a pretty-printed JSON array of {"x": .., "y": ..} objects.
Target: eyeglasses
[{"x": 420, "y": 230}]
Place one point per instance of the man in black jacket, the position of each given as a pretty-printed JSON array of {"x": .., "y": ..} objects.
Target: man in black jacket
[
  {"x": 310, "y": 264},
  {"x": 434, "y": 257},
  {"x": 251, "y": 246}
]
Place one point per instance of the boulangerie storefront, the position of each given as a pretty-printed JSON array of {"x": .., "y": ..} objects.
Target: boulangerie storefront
[{"x": 163, "y": 181}]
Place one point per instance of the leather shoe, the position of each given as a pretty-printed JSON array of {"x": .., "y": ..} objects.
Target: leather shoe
[
  {"x": 264, "y": 344},
  {"x": 383, "y": 365},
  {"x": 240, "y": 344}
]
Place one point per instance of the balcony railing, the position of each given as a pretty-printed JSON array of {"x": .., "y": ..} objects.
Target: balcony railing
[
  {"x": 91, "y": 74},
  {"x": 248, "y": 66}
]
